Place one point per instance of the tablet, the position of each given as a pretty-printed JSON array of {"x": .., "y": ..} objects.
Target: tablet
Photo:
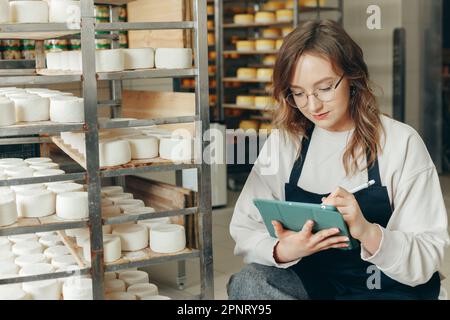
[{"x": 293, "y": 215}]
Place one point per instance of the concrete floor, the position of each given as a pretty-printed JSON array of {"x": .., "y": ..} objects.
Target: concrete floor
[{"x": 225, "y": 263}]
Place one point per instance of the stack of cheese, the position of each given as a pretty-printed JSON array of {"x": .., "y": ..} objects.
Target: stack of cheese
[
  {"x": 39, "y": 104},
  {"x": 33, "y": 11},
  {"x": 114, "y": 60}
]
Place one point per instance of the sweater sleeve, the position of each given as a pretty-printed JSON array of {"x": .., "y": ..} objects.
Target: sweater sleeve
[
  {"x": 247, "y": 227},
  {"x": 413, "y": 243}
]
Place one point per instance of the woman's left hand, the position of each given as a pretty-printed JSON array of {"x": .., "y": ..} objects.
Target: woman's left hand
[{"x": 347, "y": 205}]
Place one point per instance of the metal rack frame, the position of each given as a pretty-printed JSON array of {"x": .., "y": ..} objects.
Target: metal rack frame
[{"x": 93, "y": 173}]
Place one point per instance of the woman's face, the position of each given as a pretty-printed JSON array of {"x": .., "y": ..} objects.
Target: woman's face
[{"x": 315, "y": 74}]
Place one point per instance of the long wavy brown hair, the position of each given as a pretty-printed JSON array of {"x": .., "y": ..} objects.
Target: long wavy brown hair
[{"x": 328, "y": 39}]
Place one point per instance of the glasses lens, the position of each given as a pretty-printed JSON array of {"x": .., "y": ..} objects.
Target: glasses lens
[{"x": 326, "y": 96}]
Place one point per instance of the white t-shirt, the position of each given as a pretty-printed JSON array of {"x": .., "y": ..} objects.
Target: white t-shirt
[{"x": 413, "y": 243}]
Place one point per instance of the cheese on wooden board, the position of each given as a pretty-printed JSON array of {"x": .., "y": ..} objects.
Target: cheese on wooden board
[
  {"x": 176, "y": 149},
  {"x": 26, "y": 247},
  {"x": 167, "y": 238},
  {"x": 72, "y": 205},
  {"x": 109, "y": 60},
  {"x": 35, "y": 203},
  {"x": 243, "y": 18},
  {"x": 31, "y": 107},
  {"x": 264, "y": 17},
  {"x": 66, "y": 109},
  {"x": 173, "y": 58},
  {"x": 28, "y": 259},
  {"x": 134, "y": 277},
  {"x": 65, "y": 187},
  {"x": 144, "y": 147},
  {"x": 77, "y": 288},
  {"x": 112, "y": 248},
  {"x": 139, "y": 58},
  {"x": 58, "y": 250},
  {"x": 8, "y": 212},
  {"x": 114, "y": 153},
  {"x": 7, "y": 112},
  {"x": 133, "y": 237}
]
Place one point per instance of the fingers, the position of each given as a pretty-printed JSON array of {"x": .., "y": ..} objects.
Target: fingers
[
  {"x": 320, "y": 236},
  {"x": 336, "y": 202},
  {"x": 333, "y": 242},
  {"x": 339, "y": 193},
  {"x": 307, "y": 227},
  {"x": 278, "y": 227}
]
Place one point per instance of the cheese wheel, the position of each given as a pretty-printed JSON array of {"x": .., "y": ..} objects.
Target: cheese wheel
[
  {"x": 41, "y": 290},
  {"x": 110, "y": 60},
  {"x": 249, "y": 125},
  {"x": 114, "y": 153},
  {"x": 273, "y": 5},
  {"x": 4, "y": 14},
  {"x": 265, "y": 126},
  {"x": 265, "y": 45},
  {"x": 243, "y": 18},
  {"x": 23, "y": 237},
  {"x": 66, "y": 109},
  {"x": 245, "y": 45},
  {"x": 26, "y": 247},
  {"x": 7, "y": 112},
  {"x": 143, "y": 289},
  {"x": 77, "y": 289},
  {"x": 265, "y": 102},
  {"x": 48, "y": 172},
  {"x": 176, "y": 149},
  {"x": 133, "y": 237},
  {"x": 106, "y": 202},
  {"x": 42, "y": 166},
  {"x": 12, "y": 162},
  {"x": 271, "y": 33},
  {"x": 133, "y": 277},
  {"x": 284, "y": 15},
  {"x": 72, "y": 205},
  {"x": 53, "y": 60},
  {"x": 62, "y": 261},
  {"x": 37, "y": 160},
  {"x": 110, "y": 275},
  {"x": 112, "y": 248},
  {"x": 25, "y": 187},
  {"x": 64, "y": 11},
  {"x": 58, "y": 250},
  {"x": 12, "y": 291},
  {"x": 46, "y": 233},
  {"x": 7, "y": 256},
  {"x": 264, "y": 74},
  {"x": 31, "y": 107},
  {"x": 8, "y": 212},
  {"x": 143, "y": 147},
  {"x": 50, "y": 241},
  {"x": 28, "y": 11},
  {"x": 110, "y": 211},
  {"x": 75, "y": 232},
  {"x": 269, "y": 60},
  {"x": 138, "y": 210},
  {"x": 5, "y": 244},
  {"x": 167, "y": 238},
  {"x": 173, "y": 58},
  {"x": 114, "y": 285},
  {"x": 8, "y": 268},
  {"x": 158, "y": 297},
  {"x": 130, "y": 202},
  {"x": 120, "y": 296},
  {"x": 264, "y": 17},
  {"x": 19, "y": 172},
  {"x": 65, "y": 187},
  {"x": 28, "y": 259},
  {"x": 139, "y": 58},
  {"x": 6, "y": 194},
  {"x": 110, "y": 190},
  {"x": 35, "y": 203},
  {"x": 245, "y": 101},
  {"x": 246, "y": 73},
  {"x": 120, "y": 196}
]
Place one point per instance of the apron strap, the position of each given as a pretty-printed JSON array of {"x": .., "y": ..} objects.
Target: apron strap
[
  {"x": 298, "y": 165},
  {"x": 374, "y": 170}
]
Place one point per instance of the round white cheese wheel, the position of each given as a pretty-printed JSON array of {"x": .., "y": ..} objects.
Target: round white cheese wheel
[
  {"x": 7, "y": 256},
  {"x": 77, "y": 289},
  {"x": 75, "y": 60},
  {"x": 110, "y": 211},
  {"x": 13, "y": 291},
  {"x": 243, "y": 18},
  {"x": 50, "y": 241},
  {"x": 264, "y": 74},
  {"x": 143, "y": 289},
  {"x": 112, "y": 248},
  {"x": 138, "y": 210},
  {"x": 65, "y": 187},
  {"x": 53, "y": 60},
  {"x": 26, "y": 187},
  {"x": 66, "y": 109},
  {"x": 158, "y": 297},
  {"x": 120, "y": 196},
  {"x": 114, "y": 285},
  {"x": 43, "y": 166},
  {"x": 46, "y": 233},
  {"x": 125, "y": 203},
  {"x": 59, "y": 250},
  {"x": 31, "y": 107},
  {"x": 271, "y": 33},
  {"x": 110, "y": 190},
  {"x": 72, "y": 205},
  {"x": 19, "y": 172},
  {"x": 43, "y": 290},
  {"x": 134, "y": 277},
  {"x": 48, "y": 172},
  {"x": 176, "y": 149},
  {"x": 5, "y": 244},
  {"x": 28, "y": 259},
  {"x": 28, "y": 11},
  {"x": 4, "y": 13},
  {"x": 8, "y": 212},
  {"x": 27, "y": 247},
  {"x": 133, "y": 237},
  {"x": 23, "y": 237},
  {"x": 106, "y": 202},
  {"x": 173, "y": 58},
  {"x": 144, "y": 147},
  {"x": 63, "y": 261},
  {"x": 64, "y": 11},
  {"x": 109, "y": 60},
  {"x": 37, "y": 160},
  {"x": 35, "y": 203},
  {"x": 120, "y": 296},
  {"x": 110, "y": 275},
  {"x": 76, "y": 232},
  {"x": 114, "y": 153},
  {"x": 139, "y": 58},
  {"x": 245, "y": 45},
  {"x": 6, "y": 194},
  {"x": 167, "y": 238},
  {"x": 8, "y": 268},
  {"x": 264, "y": 17},
  {"x": 284, "y": 15},
  {"x": 7, "y": 112}
]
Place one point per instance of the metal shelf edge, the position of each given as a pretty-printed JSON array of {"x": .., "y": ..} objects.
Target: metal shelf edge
[
  {"x": 46, "y": 276},
  {"x": 150, "y": 215},
  {"x": 55, "y": 226},
  {"x": 46, "y": 179}
]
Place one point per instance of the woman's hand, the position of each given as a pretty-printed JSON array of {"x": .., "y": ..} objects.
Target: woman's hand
[
  {"x": 367, "y": 233},
  {"x": 295, "y": 245}
]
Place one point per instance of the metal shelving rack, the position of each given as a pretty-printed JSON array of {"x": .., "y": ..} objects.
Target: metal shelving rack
[{"x": 92, "y": 173}]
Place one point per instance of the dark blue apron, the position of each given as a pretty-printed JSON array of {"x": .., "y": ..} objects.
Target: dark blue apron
[{"x": 342, "y": 274}]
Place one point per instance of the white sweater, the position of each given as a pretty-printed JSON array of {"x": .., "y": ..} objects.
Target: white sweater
[{"x": 413, "y": 243}]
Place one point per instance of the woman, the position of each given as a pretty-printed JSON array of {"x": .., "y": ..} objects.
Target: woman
[{"x": 332, "y": 137}]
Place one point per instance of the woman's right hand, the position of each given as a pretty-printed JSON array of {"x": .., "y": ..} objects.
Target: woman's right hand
[{"x": 295, "y": 245}]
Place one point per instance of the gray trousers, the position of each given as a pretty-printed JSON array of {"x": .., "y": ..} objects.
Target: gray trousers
[{"x": 259, "y": 282}]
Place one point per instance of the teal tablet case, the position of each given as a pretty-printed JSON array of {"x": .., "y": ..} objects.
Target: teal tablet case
[{"x": 293, "y": 215}]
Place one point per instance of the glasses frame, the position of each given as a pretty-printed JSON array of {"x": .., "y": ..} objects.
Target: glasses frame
[{"x": 315, "y": 94}]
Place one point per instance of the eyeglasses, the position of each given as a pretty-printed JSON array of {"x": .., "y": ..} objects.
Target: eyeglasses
[{"x": 300, "y": 99}]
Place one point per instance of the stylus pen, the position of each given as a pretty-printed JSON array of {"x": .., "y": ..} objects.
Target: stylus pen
[{"x": 358, "y": 188}]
